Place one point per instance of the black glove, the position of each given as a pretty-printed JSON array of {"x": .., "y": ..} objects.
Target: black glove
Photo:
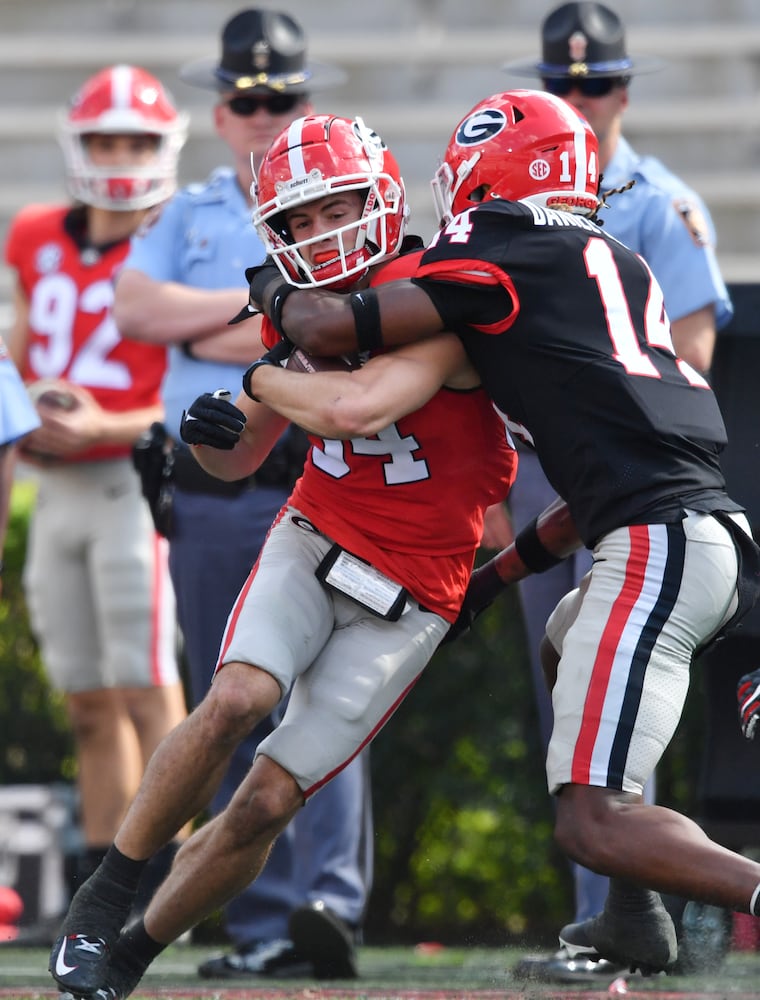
[
  {"x": 748, "y": 696},
  {"x": 213, "y": 420},
  {"x": 275, "y": 356},
  {"x": 485, "y": 583}
]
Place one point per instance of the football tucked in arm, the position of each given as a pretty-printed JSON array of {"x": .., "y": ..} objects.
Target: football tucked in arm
[{"x": 300, "y": 361}]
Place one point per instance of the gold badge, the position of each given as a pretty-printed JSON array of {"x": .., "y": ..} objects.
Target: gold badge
[
  {"x": 260, "y": 56},
  {"x": 577, "y": 46}
]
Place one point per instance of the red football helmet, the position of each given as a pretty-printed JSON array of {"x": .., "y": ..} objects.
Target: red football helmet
[
  {"x": 523, "y": 145},
  {"x": 314, "y": 157},
  {"x": 121, "y": 100}
]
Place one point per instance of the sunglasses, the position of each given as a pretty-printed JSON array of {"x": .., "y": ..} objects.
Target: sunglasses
[
  {"x": 591, "y": 86},
  {"x": 275, "y": 104}
]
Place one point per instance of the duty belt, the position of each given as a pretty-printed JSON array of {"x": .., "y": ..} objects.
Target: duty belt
[{"x": 191, "y": 478}]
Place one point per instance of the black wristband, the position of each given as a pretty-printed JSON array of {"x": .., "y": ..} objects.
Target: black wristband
[
  {"x": 532, "y": 550},
  {"x": 2, "y": 566},
  {"x": 276, "y": 302},
  {"x": 247, "y": 378},
  {"x": 260, "y": 279},
  {"x": 187, "y": 349},
  {"x": 275, "y": 356},
  {"x": 366, "y": 310}
]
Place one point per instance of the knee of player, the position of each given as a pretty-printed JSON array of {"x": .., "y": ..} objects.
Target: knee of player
[
  {"x": 265, "y": 803},
  {"x": 93, "y": 715},
  {"x": 231, "y": 709}
]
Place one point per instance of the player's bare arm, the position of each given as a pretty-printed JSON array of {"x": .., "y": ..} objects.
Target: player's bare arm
[
  {"x": 166, "y": 312},
  {"x": 324, "y": 322},
  {"x": 540, "y": 545},
  {"x": 543, "y": 543},
  {"x": 84, "y": 423},
  {"x": 362, "y": 402}
]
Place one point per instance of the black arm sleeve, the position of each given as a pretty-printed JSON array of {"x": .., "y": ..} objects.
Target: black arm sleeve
[{"x": 464, "y": 305}]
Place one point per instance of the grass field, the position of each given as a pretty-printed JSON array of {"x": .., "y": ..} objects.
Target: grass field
[{"x": 392, "y": 974}]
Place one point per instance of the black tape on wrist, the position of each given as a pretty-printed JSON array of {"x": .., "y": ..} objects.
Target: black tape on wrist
[
  {"x": 247, "y": 379},
  {"x": 273, "y": 357},
  {"x": 366, "y": 310},
  {"x": 532, "y": 550},
  {"x": 276, "y": 302}
]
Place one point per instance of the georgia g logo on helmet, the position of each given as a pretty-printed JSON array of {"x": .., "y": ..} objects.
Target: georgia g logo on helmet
[{"x": 481, "y": 126}]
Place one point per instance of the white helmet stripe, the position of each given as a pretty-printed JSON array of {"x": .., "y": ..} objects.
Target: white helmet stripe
[
  {"x": 121, "y": 84},
  {"x": 295, "y": 149},
  {"x": 581, "y": 164}
]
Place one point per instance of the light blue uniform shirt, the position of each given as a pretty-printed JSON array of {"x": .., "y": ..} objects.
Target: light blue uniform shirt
[
  {"x": 668, "y": 224},
  {"x": 203, "y": 238},
  {"x": 17, "y": 414}
]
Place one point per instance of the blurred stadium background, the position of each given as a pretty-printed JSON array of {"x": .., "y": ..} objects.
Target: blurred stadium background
[{"x": 415, "y": 66}]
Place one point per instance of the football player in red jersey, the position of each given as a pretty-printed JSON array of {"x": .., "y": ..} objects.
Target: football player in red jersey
[
  {"x": 96, "y": 575},
  {"x": 569, "y": 333},
  {"x": 357, "y": 582}
]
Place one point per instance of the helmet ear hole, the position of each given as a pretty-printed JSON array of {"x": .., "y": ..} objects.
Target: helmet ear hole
[{"x": 479, "y": 193}]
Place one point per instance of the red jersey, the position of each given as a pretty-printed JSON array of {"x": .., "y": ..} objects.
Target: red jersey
[
  {"x": 411, "y": 499},
  {"x": 72, "y": 336}
]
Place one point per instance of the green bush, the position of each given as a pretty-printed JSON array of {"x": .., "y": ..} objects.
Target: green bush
[
  {"x": 463, "y": 820},
  {"x": 36, "y": 746}
]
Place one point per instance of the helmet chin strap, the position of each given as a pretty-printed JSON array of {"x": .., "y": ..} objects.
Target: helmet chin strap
[{"x": 344, "y": 284}]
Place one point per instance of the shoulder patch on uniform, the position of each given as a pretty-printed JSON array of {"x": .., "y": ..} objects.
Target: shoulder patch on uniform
[
  {"x": 154, "y": 214},
  {"x": 694, "y": 220}
]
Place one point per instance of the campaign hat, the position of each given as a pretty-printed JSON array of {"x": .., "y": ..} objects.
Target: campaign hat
[
  {"x": 262, "y": 50},
  {"x": 584, "y": 39}
]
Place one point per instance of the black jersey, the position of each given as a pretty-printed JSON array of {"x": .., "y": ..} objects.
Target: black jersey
[{"x": 568, "y": 332}]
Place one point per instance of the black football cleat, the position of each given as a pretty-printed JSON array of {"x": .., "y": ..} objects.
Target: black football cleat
[
  {"x": 320, "y": 936},
  {"x": 78, "y": 964},
  {"x": 643, "y": 940}
]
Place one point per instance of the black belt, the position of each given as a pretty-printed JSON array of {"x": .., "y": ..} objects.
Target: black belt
[{"x": 190, "y": 477}]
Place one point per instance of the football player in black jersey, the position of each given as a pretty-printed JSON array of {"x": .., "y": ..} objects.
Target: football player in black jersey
[{"x": 569, "y": 333}]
